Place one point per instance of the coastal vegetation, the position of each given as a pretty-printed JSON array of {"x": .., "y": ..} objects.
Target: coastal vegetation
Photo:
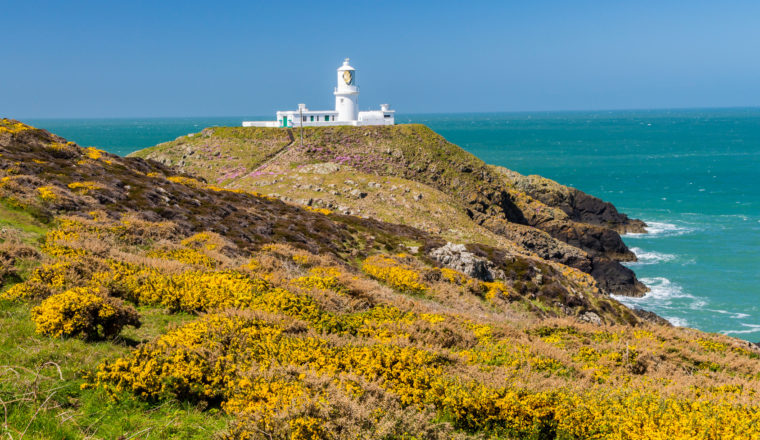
[{"x": 140, "y": 302}]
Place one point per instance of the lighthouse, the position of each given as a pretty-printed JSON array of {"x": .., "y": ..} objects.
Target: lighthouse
[
  {"x": 347, "y": 94},
  {"x": 346, "y": 108}
]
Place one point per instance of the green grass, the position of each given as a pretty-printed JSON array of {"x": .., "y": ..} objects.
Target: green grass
[
  {"x": 40, "y": 380},
  {"x": 17, "y": 218}
]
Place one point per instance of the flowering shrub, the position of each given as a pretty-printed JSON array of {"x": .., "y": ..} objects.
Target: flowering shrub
[
  {"x": 93, "y": 153},
  {"x": 322, "y": 211},
  {"x": 82, "y": 312},
  {"x": 9, "y": 126},
  {"x": 185, "y": 255},
  {"x": 196, "y": 291},
  {"x": 505, "y": 354},
  {"x": 396, "y": 274},
  {"x": 43, "y": 281},
  {"x": 84, "y": 187},
  {"x": 189, "y": 181},
  {"x": 325, "y": 278},
  {"x": 581, "y": 278},
  {"x": 47, "y": 193},
  {"x": 204, "y": 240}
]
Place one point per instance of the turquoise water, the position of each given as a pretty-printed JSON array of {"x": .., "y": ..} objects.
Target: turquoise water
[{"x": 693, "y": 176}]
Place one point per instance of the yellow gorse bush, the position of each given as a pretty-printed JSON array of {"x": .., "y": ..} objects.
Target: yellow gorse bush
[
  {"x": 8, "y": 126},
  {"x": 322, "y": 211},
  {"x": 185, "y": 255},
  {"x": 84, "y": 187},
  {"x": 189, "y": 181},
  {"x": 396, "y": 274},
  {"x": 195, "y": 290},
  {"x": 47, "y": 193},
  {"x": 325, "y": 278},
  {"x": 43, "y": 281},
  {"x": 82, "y": 312},
  {"x": 93, "y": 153}
]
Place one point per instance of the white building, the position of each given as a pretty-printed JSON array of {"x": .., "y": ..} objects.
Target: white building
[{"x": 346, "y": 109}]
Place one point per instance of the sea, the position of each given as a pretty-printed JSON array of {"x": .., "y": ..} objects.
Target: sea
[{"x": 692, "y": 175}]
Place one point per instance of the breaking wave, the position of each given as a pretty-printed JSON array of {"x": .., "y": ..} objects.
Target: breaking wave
[
  {"x": 662, "y": 298},
  {"x": 650, "y": 257},
  {"x": 662, "y": 229}
]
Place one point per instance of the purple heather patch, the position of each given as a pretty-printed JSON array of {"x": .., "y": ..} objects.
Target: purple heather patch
[{"x": 261, "y": 173}]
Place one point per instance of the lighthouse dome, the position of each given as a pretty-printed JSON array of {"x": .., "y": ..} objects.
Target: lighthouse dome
[{"x": 345, "y": 66}]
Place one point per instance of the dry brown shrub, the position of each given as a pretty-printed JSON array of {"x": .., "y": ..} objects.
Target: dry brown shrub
[
  {"x": 140, "y": 231},
  {"x": 374, "y": 413},
  {"x": 12, "y": 251}
]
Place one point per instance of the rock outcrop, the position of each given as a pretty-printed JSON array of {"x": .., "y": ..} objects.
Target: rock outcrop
[
  {"x": 578, "y": 205},
  {"x": 456, "y": 256}
]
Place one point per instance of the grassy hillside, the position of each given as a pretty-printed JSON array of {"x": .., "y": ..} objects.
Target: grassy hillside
[
  {"x": 493, "y": 198},
  {"x": 147, "y": 304}
]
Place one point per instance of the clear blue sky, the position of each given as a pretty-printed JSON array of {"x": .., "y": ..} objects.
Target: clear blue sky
[{"x": 215, "y": 58}]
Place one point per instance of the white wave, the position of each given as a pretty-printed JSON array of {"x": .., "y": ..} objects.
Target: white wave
[
  {"x": 753, "y": 328},
  {"x": 662, "y": 229},
  {"x": 668, "y": 300},
  {"x": 669, "y": 229},
  {"x": 650, "y": 257},
  {"x": 734, "y": 315},
  {"x": 660, "y": 299},
  {"x": 663, "y": 288},
  {"x": 678, "y": 322}
]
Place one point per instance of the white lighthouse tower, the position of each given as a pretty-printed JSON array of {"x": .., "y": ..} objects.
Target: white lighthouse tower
[
  {"x": 346, "y": 109},
  {"x": 347, "y": 93}
]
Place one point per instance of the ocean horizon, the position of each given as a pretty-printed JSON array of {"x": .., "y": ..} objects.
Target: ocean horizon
[{"x": 689, "y": 173}]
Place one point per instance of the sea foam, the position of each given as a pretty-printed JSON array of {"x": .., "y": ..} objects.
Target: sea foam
[
  {"x": 752, "y": 328},
  {"x": 649, "y": 257},
  {"x": 662, "y": 229},
  {"x": 660, "y": 299}
]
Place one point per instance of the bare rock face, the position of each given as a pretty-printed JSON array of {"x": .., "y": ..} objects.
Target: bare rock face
[
  {"x": 591, "y": 317},
  {"x": 578, "y": 205},
  {"x": 656, "y": 319},
  {"x": 456, "y": 256},
  {"x": 615, "y": 278}
]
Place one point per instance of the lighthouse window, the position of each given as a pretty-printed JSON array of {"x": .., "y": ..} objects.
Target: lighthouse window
[
  {"x": 327, "y": 117},
  {"x": 312, "y": 119}
]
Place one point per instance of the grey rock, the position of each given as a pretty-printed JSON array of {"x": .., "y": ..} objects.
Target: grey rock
[
  {"x": 456, "y": 256},
  {"x": 358, "y": 194},
  {"x": 591, "y": 317}
]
